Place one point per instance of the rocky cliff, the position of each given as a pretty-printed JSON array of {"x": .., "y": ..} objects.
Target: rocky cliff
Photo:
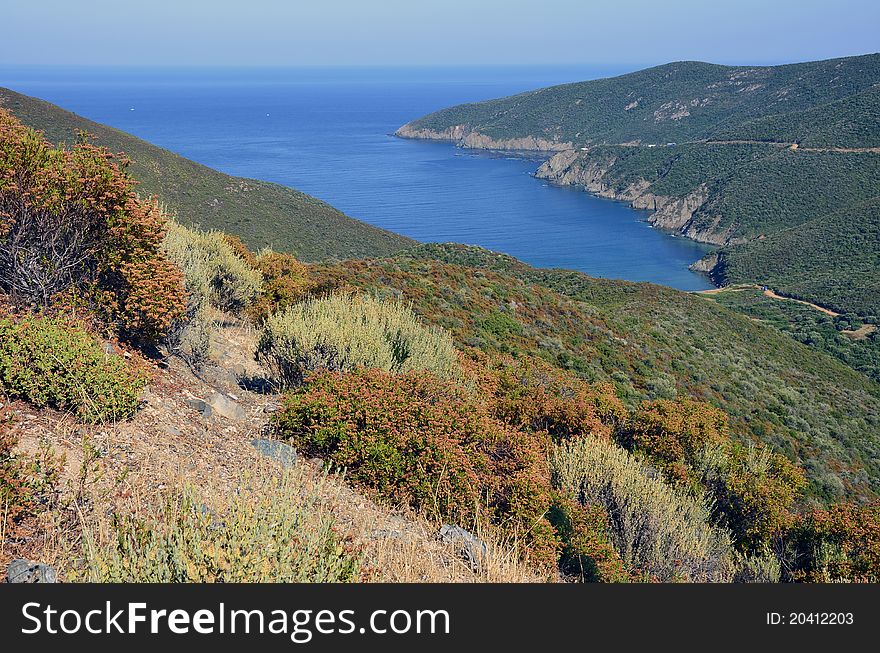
[
  {"x": 579, "y": 168},
  {"x": 463, "y": 136}
]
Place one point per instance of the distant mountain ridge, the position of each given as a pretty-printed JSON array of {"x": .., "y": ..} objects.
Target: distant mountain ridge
[
  {"x": 263, "y": 214},
  {"x": 726, "y": 155},
  {"x": 674, "y": 102}
]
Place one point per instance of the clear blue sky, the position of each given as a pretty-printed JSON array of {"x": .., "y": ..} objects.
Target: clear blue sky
[{"x": 432, "y": 32}]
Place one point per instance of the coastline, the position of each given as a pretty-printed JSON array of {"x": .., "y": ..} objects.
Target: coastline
[{"x": 566, "y": 165}]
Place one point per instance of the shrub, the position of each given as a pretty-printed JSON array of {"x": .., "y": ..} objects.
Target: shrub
[
  {"x": 678, "y": 437},
  {"x": 48, "y": 362},
  {"x": 25, "y": 481},
  {"x": 190, "y": 337},
  {"x": 215, "y": 271},
  {"x": 421, "y": 441},
  {"x": 270, "y": 532},
  {"x": 657, "y": 530},
  {"x": 838, "y": 544},
  {"x": 285, "y": 282},
  {"x": 753, "y": 489},
  {"x": 755, "y": 492},
  {"x": 71, "y": 225},
  {"x": 348, "y": 332},
  {"x": 588, "y": 552},
  {"x": 531, "y": 394}
]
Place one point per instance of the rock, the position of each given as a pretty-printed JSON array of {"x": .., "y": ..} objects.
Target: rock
[
  {"x": 283, "y": 453},
  {"x": 200, "y": 406},
  {"x": 226, "y": 407},
  {"x": 27, "y": 571},
  {"x": 467, "y": 545}
]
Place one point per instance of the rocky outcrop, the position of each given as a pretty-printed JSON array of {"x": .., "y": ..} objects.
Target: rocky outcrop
[
  {"x": 28, "y": 571},
  {"x": 579, "y": 168},
  {"x": 464, "y": 136}
]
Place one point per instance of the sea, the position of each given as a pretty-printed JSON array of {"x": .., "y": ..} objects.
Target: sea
[{"x": 329, "y": 133}]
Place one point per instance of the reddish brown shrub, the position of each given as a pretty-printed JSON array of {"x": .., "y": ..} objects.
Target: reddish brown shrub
[
  {"x": 419, "y": 440},
  {"x": 838, "y": 544},
  {"x": 528, "y": 393},
  {"x": 285, "y": 282},
  {"x": 72, "y": 225},
  {"x": 676, "y": 436}
]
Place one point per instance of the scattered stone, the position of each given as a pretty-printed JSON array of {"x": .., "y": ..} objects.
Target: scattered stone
[
  {"x": 467, "y": 545},
  {"x": 200, "y": 406},
  {"x": 27, "y": 571},
  {"x": 226, "y": 407},
  {"x": 283, "y": 453}
]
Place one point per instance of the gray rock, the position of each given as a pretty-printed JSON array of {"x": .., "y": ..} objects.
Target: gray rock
[
  {"x": 200, "y": 406},
  {"x": 467, "y": 545},
  {"x": 27, "y": 571},
  {"x": 283, "y": 453},
  {"x": 226, "y": 407}
]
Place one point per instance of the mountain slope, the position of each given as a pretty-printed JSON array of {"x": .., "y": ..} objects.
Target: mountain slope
[
  {"x": 651, "y": 342},
  {"x": 724, "y": 155},
  {"x": 261, "y": 213},
  {"x": 679, "y": 101}
]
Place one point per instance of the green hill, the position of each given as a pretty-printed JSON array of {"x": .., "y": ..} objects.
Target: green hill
[
  {"x": 651, "y": 342},
  {"x": 709, "y": 150},
  {"x": 261, "y": 213},
  {"x": 676, "y": 102}
]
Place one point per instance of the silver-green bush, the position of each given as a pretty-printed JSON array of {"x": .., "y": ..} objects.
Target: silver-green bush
[
  {"x": 214, "y": 272},
  {"x": 346, "y": 332},
  {"x": 664, "y": 533}
]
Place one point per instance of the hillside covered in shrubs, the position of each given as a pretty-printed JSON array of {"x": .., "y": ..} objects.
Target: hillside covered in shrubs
[
  {"x": 582, "y": 429},
  {"x": 778, "y": 166}
]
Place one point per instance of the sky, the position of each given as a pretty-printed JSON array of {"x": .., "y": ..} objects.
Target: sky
[{"x": 432, "y": 32}]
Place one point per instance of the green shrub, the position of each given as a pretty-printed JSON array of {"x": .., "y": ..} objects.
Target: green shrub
[
  {"x": 421, "y": 441},
  {"x": 214, "y": 269},
  {"x": 755, "y": 491},
  {"x": 657, "y": 530},
  {"x": 48, "y": 362},
  {"x": 588, "y": 552},
  {"x": 271, "y": 532},
  {"x": 348, "y": 332}
]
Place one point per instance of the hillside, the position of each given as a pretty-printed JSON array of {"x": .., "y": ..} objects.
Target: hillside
[
  {"x": 731, "y": 156},
  {"x": 262, "y": 214},
  {"x": 675, "y": 102},
  {"x": 652, "y": 342}
]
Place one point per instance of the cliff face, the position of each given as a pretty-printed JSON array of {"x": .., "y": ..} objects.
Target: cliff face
[
  {"x": 578, "y": 168},
  {"x": 463, "y": 136}
]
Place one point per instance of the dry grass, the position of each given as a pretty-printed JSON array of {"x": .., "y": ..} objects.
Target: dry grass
[{"x": 133, "y": 467}]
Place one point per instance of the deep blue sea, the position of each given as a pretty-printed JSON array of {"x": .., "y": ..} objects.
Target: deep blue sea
[{"x": 327, "y": 132}]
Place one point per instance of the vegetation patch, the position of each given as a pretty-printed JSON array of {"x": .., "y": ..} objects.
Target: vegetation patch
[
  {"x": 348, "y": 332},
  {"x": 268, "y": 531},
  {"x": 48, "y": 362}
]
